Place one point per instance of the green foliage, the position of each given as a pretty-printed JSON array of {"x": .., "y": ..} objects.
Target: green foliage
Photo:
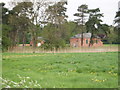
[
  {"x": 6, "y": 28},
  {"x": 94, "y": 19},
  {"x": 55, "y": 32},
  {"x": 104, "y": 29},
  {"x": 82, "y": 11},
  {"x": 112, "y": 36},
  {"x": 19, "y": 19},
  {"x": 24, "y": 23},
  {"x": 93, "y": 23},
  {"x": 67, "y": 30},
  {"x": 16, "y": 24},
  {"x": 6, "y": 41},
  {"x": 53, "y": 37},
  {"x": 56, "y": 13},
  {"x": 4, "y": 13},
  {"x": 117, "y": 20}
]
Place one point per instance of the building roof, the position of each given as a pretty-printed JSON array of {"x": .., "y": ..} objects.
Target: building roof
[
  {"x": 39, "y": 38},
  {"x": 85, "y": 35}
]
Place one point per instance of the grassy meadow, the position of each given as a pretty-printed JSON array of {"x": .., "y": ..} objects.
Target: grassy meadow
[{"x": 60, "y": 70}]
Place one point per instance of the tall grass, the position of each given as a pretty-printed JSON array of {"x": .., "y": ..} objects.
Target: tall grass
[
  {"x": 58, "y": 70},
  {"x": 29, "y": 49}
]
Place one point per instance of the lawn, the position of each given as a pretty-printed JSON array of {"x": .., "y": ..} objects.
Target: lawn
[{"x": 61, "y": 70}]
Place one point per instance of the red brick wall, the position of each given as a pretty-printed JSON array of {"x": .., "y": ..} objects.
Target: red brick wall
[
  {"x": 31, "y": 43},
  {"x": 24, "y": 44},
  {"x": 76, "y": 42}
]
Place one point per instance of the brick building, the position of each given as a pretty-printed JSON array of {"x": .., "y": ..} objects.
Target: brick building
[
  {"x": 40, "y": 41},
  {"x": 75, "y": 41}
]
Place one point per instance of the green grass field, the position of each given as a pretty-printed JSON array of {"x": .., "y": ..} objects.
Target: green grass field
[{"x": 69, "y": 70}]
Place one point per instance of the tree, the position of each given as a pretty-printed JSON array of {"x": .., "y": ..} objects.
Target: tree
[
  {"x": 117, "y": 31},
  {"x": 52, "y": 39},
  {"x": 55, "y": 31},
  {"x": 83, "y": 10},
  {"x": 32, "y": 15},
  {"x": 56, "y": 14},
  {"x": 117, "y": 20},
  {"x": 71, "y": 29},
  {"x": 112, "y": 37},
  {"x": 19, "y": 20},
  {"x": 117, "y": 28},
  {"x": 6, "y": 41},
  {"x": 38, "y": 16},
  {"x": 94, "y": 22}
]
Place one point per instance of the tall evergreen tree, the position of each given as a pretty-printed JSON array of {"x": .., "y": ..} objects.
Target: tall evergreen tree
[
  {"x": 117, "y": 28},
  {"x": 82, "y": 11},
  {"x": 93, "y": 23},
  {"x": 117, "y": 20}
]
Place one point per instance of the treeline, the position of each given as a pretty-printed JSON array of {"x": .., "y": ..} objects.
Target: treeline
[{"x": 29, "y": 20}]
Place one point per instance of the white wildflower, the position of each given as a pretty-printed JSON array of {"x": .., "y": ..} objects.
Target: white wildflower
[
  {"x": 8, "y": 86},
  {"x": 12, "y": 82},
  {"x": 35, "y": 85},
  {"x": 35, "y": 81},
  {"x": 24, "y": 80},
  {"x": 28, "y": 77},
  {"x": 15, "y": 83},
  {"x": 39, "y": 85},
  {"x": 26, "y": 86},
  {"x": 21, "y": 82},
  {"x": 1, "y": 78},
  {"x": 30, "y": 83},
  {"x": 19, "y": 76},
  {"x": 3, "y": 83}
]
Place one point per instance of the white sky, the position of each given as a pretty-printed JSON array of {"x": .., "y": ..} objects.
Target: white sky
[{"x": 108, "y": 7}]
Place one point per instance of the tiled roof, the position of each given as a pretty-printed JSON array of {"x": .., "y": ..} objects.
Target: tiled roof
[
  {"x": 85, "y": 35},
  {"x": 40, "y": 38}
]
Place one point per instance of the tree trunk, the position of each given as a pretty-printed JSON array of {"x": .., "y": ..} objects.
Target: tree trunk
[
  {"x": 82, "y": 31},
  {"x": 23, "y": 40},
  {"x": 34, "y": 40},
  {"x": 82, "y": 39},
  {"x": 91, "y": 40}
]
